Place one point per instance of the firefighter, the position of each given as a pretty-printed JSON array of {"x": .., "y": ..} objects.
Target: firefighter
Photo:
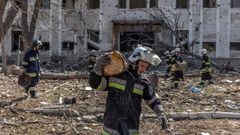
[
  {"x": 126, "y": 91},
  {"x": 32, "y": 67},
  {"x": 205, "y": 68},
  {"x": 169, "y": 64},
  {"x": 176, "y": 68}
]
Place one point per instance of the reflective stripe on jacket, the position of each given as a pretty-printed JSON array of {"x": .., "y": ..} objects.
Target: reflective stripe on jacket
[
  {"x": 125, "y": 94},
  {"x": 31, "y": 63},
  {"x": 206, "y": 65}
]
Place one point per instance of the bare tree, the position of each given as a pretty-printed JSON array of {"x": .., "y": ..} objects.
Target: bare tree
[
  {"x": 28, "y": 28},
  {"x": 5, "y": 24}
]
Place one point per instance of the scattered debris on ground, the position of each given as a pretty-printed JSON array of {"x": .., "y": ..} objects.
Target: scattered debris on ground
[{"x": 47, "y": 115}]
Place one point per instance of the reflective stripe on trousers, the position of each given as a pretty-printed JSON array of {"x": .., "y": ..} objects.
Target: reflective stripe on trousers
[{"x": 108, "y": 131}]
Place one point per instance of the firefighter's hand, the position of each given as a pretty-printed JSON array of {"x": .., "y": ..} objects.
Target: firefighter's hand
[
  {"x": 163, "y": 121},
  {"x": 102, "y": 61}
]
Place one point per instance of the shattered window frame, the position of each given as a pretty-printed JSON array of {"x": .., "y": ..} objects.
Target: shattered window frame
[
  {"x": 67, "y": 46},
  {"x": 45, "y": 46},
  {"x": 130, "y": 40},
  {"x": 210, "y": 46},
  {"x": 235, "y": 3},
  {"x": 93, "y": 35},
  {"x": 68, "y": 4},
  {"x": 122, "y": 4},
  {"x": 234, "y": 46},
  {"x": 45, "y": 4},
  {"x": 209, "y": 3},
  {"x": 182, "y": 4},
  {"x": 15, "y": 41},
  {"x": 93, "y": 4},
  {"x": 141, "y": 4}
]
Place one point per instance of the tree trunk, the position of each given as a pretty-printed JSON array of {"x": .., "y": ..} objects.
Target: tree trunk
[
  {"x": 25, "y": 28},
  {"x": 3, "y": 30},
  {"x": 4, "y": 60}
]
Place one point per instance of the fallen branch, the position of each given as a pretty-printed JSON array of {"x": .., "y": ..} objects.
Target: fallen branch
[
  {"x": 234, "y": 91},
  {"x": 53, "y": 112},
  {"x": 11, "y": 102},
  {"x": 5, "y": 103},
  {"x": 199, "y": 115},
  {"x": 190, "y": 116},
  {"x": 54, "y": 88},
  {"x": 61, "y": 76}
]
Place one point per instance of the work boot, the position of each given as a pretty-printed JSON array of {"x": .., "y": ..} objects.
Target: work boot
[
  {"x": 202, "y": 83},
  {"x": 26, "y": 90},
  {"x": 210, "y": 82},
  {"x": 33, "y": 94},
  {"x": 175, "y": 86}
]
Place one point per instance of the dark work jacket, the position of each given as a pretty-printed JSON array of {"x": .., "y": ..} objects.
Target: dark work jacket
[
  {"x": 176, "y": 59},
  {"x": 31, "y": 63},
  {"x": 168, "y": 60},
  {"x": 206, "y": 65},
  {"x": 125, "y": 94}
]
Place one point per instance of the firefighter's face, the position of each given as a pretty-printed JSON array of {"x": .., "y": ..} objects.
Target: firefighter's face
[{"x": 142, "y": 67}]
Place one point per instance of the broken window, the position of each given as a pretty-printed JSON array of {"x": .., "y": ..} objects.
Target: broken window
[
  {"x": 235, "y": 46},
  {"x": 16, "y": 41},
  {"x": 129, "y": 40},
  {"x": 210, "y": 46},
  {"x": 68, "y": 4},
  {"x": 209, "y": 3},
  {"x": 153, "y": 3},
  {"x": 93, "y": 4},
  {"x": 45, "y": 46},
  {"x": 235, "y": 3},
  {"x": 122, "y": 4},
  {"x": 45, "y": 4},
  {"x": 182, "y": 3},
  {"x": 93, "y": 40},
  {"x": 137, "y": 4},
  {"x": 67, "y": 46}
]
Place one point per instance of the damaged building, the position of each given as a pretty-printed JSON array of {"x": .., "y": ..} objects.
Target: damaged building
[{"x": 73, "y": 27}]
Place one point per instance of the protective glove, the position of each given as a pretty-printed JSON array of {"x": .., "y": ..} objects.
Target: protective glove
[
  {"x": 163, "y": 121},
  {"x": 161, "y": 116},
  {"x": 102, "y": 61}
]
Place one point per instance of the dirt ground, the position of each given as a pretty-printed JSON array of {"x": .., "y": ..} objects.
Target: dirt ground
[{"x": 221, "y": 96}]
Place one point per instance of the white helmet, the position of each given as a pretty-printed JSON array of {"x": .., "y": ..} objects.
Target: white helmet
[
  {"x": 145, "y": 54},
  {"x": 177, "y": 50},
  {"x": 204, "y": 51},
  {"x": 166, "y": 53}
]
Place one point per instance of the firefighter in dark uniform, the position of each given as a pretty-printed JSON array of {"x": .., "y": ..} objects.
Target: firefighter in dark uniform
[
  {"x": 32, "y": 67},
  {"x": 126, "y": 91},
  {"x": 169, "y": 64},
  {"x": 176, "y": 68},
  {"x": 205, "y": 68}
]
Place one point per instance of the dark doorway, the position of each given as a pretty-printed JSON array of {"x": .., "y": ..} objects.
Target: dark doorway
[
  {"x": 15, "y": 41},
  {"x": 129, "y": 40}
]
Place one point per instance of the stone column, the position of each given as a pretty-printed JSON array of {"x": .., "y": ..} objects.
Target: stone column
[
  {"x": 56, "y": 27},
  {"x": 108, "y": 12},
  {"x": 223, "y": 29}
]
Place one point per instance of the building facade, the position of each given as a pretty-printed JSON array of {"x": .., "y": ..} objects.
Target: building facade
[{"x": 73, "y": 27}]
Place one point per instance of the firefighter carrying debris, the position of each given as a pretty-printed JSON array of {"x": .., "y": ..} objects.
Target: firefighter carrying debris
[
  {"x": 177, "y": 69},
  {"x": 32, "y": 67},
  {"x": 126, "y": 91},
  {"x": 205, "y": 68}
]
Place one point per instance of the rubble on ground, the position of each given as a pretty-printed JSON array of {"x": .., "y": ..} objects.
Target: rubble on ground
[{"x": 18, "y": 118}]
